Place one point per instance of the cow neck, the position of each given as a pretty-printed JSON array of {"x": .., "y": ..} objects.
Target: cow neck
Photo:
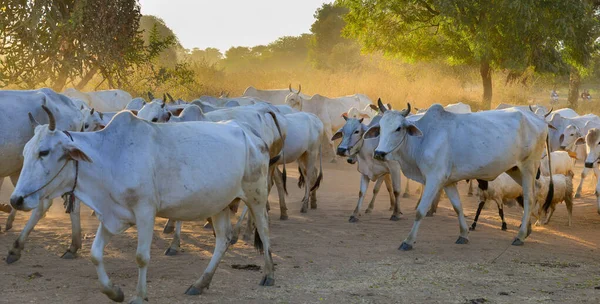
[{"x": 69, "y": 197}]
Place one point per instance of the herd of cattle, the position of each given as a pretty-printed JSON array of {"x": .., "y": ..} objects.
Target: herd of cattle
[{"x": 131, "y": 161}]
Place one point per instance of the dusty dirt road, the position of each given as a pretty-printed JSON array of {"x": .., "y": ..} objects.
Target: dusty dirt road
[{"x": 322, "y": 258}]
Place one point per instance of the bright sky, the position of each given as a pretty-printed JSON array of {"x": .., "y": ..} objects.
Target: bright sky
[{"x": 226, "y": 23}]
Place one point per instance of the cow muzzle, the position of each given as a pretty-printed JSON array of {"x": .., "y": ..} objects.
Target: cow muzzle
[
  {"x": 17, "y": 202},
  {"x": 589, "y": 165},
  {"x": 379, "y": 155},
  {"x": 342, "y": 151}
]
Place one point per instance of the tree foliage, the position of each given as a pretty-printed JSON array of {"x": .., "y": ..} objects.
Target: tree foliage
[{"x": 506, "y": 34}]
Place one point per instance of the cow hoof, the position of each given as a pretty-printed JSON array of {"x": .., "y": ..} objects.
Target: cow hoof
[
  {"x": 462, "y": 240},
  {"x": 429, "y": 214},
  {"x": 405, "y": 247},
  {"x": 193, "y": 291},
  {"x": 137, "y": 300},
  {"x": 472, "y": 228},
  {"x": 303, "y": 210},
  {"x": 353, "y": 219},
  {"x": 313, "y": 206},
  {"x": 115, "y": 294},
  {"x": 234, "y": 240},
  {"x": 170, "y": 252},
  {"x": 12, "y": 257},
  {"x": 68, "y": 255},
  {"x": 504, "y": 228},
  {"x": 208, "y": 226},
  {"x": 368, "y": 211},
  {"x": 517, "y": 242},
  {"x": 528, "y": 230},
  {"x": 8, "y": 227},
  {"x": 283, "y": 217},
  {"x": 406, "y": 195},
  {"x": 169, "y": 229},
  {"x": 266, "y": 281},
  {"x": 577, "y": 195},
  {"x": 394, "y": 218}
]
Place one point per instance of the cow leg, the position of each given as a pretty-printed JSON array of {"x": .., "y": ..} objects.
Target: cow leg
[
  {"x": 169, "y": 226},
  {"x": 375, "y": 191},
  {"x": 406, "y": 189},
  {"x": 549, "y": 215},
  {"x": 14, "y": 254},
  {"x": 238, "y": 225},
  {"x": 249, "y": 228},
  {"x": 13, "y": 213},
  {"x": 569, "y": 204},
  {"x": 396, "y": 177},
  {"x": 176, "y": 242},
  {"x": 328, "y": 136},
  {"x": 102, "y": 238},
  {"x": 364, "y": 184},
  {"x": 390, "y": 188},
  {"x": 144, "y": 221},
  {"x": 222, "y": 225},
  {"x": 303, "y": 166},
  {"x": 278, "y": 180},
  {"x": 431, "y": 190},
  {"x": 584, "y": 173},
  {"x": 454, "y": 197},
  {"x": 470, "y": 193},
  {"x": 479, "y": 208},
  {"x": 526, "y": 177},
  {"x": 434, "y": 205},
  {"x": 597, "y": 193},
  {"x": 501, "y": 213},
  {"x": 312, "y": 173},
  {"x": 263, "y": 243},
  {"x": 71, "y": 253}
]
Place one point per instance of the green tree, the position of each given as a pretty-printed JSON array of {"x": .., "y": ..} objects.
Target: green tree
[
  {"x": 504, "y": 34},
  {"x": 209, "y": 55},
  {"x": 169, "y": 57}
]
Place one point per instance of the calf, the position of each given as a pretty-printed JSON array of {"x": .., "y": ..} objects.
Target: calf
[
  {"x": 500, "y": 190},
  {"x": 563, "y": 192}
]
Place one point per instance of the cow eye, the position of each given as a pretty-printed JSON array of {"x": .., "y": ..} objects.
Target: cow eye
[
  {"x": 44, "y": 153},
  {"x": 87, "y": 126},
  {"x": 398, "y": 130},
  {"x": 356, "y": 132},
  {"x": 154, "y": 119}
]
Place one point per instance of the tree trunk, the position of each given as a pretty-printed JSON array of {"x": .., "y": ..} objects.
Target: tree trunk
[
  {"x": 574, "y": 82},
  {"x": 86, "y": 79},
  {"x": 486, "y": 78}
]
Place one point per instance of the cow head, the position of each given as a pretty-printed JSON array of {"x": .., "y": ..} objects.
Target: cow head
[
  {"x": 294, "y": 99},
  {"x": 47, "y": 172},
  {"x": 155, "y": 111},
  {"x": 136, "y": 104},
  {"x": 92, "y": 120},
  {"x": 351, "y": 134},
  {"x": 392, "y": 131},
  {"x": 569, "y": 136},
  {"x": 592, "y": 142}
]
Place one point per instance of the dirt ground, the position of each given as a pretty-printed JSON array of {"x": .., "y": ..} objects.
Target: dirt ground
[{"x": 322, "y": 258}]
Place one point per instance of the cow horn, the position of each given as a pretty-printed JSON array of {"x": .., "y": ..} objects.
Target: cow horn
[
  {"x": 92, "y": 111},
  {"x": 163, "y": 105},
  {"x": 407, "y": 111},
  {"x": 170, "y": 97},
  {"x": 290, "y": 87},
  {"x": 382, "y": 108},
  {"x": 51, "y": 120},
  {"x": 389, "y": 106},
  {"x": 101, "y": 115},
  {"x": 150, "y": 96},
  {"x": 164, "y": 98},
  {"x": 547, "y": 114},
  {"x": 299, "y": 88},
  {"x": 531, "y": 109},
  {"x": 34, "y": 122}
]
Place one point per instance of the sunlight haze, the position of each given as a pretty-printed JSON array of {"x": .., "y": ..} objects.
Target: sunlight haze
[{"x": 226, "y": 23}]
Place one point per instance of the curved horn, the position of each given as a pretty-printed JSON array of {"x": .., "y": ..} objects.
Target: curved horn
[
  {"x": 299, "y": 88},
  {"x": 547, "y": 114},
  {"x": 290, "y": 87},
  {"x": 164, "y": 98},
  {"x": 51, "y": 120},
  {"x": 163, "y": 105},
  {"x": 382, "y": 108},
  {"x": 407, "y": 111},
  {"x": 531, "y": 109},
  {"x": 170, "y": 97},
  {"x": 92, "y": 111},
  {"x": 150, "y": 96}
]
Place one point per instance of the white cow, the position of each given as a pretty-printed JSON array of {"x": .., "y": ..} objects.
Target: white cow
[
  {"x": 276, "y": 97},
  {"x": 217, "y": 164},
  {"x": 15, "y": 131},
  {"x": 592, "y": 143},
  {"x": 443, "y": 148},
  {"x": 103, "y": 101},
  {"x": 329, "y": 110},
  {"x": 361, "y": 150},
  {"x": 561, "y": 123},
  {"x": 453, "y": 107},
  {"x": 561, "y": 161},
  {"x": 579, "y": 148}
]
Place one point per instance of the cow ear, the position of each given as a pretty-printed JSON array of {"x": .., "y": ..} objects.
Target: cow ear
[
  {"x": 101, "y": 127},
  {"x": 177, "y": 112},
  {"x": 345, "y": 116},
  {"x": 580, "y": 141},
  {"x": 372, "y": 132},
  {"x": 78, "y": 155},
  {"x": 373, "y": 107},
  {"x": 412, "y": 130},
  {"x": 552, "y": 127},
  {"x": 389, "y": 106},
  {"x": 134, "y": 112},
  {"x": 337, "y": 135}
]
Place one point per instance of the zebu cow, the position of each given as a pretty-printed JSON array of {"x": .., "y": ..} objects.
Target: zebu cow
[
  {"x": 561, "y": 123},
  {"x": 103, "y": 101},
  {"x": 361, "y": 150},
  {"x": 453, "y": 107},
  {"x": 568, "y": 139},
  {"x": 592, "y": 144},
  {"x": 276, "y": 97},
  {"x": 57, "y": 162},
  {"x": 443, "y": 148},
  {"x": 15, "y": 131},
  {"x": 95, "y": 120},
  {"x": 329, "y": 110}
]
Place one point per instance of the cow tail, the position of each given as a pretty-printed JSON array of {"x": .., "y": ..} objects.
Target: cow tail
[
  {"x": 301, "y": 178},
  {"x": 550, "y": 195},
  {"x": 318, "y": 182},
  {"x": 284, "y": 172}
]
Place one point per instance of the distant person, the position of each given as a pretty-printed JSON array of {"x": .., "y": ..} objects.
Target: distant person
[
  {"x": 553, "y": 97},
  {"x": 585, "y": 95}
]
